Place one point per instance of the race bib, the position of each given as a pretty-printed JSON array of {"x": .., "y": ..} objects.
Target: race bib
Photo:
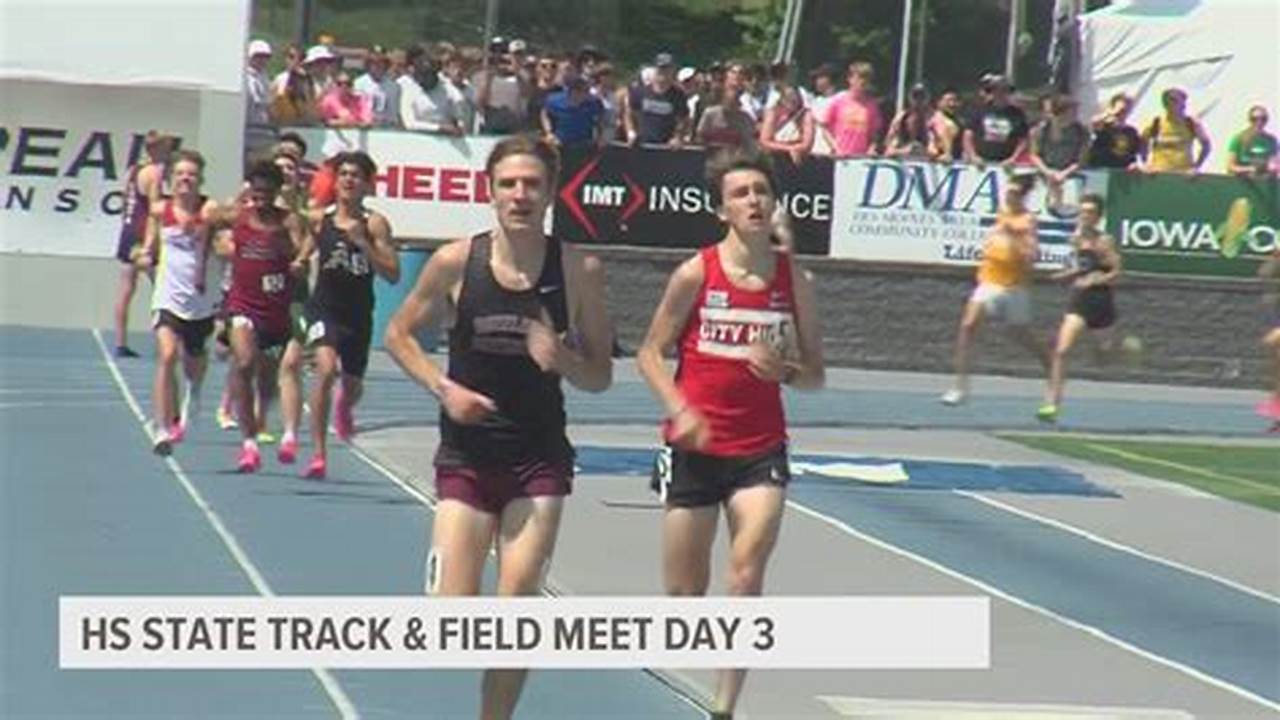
[{"x": 273, "y": 283}]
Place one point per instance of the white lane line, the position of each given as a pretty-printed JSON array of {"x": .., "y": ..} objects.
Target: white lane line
[
  {"x": 346, "y": 709},
  {"x": 881, "y": 709},
  {"x": 676, "y": 683},
  {"x": 992, "y": 590},
  {"x": 1094, "y": 537},
  {"x": 1264, "y": 488}
]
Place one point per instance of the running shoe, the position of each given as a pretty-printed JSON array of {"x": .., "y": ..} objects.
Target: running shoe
[
  {"x": 226, "y": 420},
  {"x": 124, "y": 351},
  {"x": 250, "y": 460},
  {"x": 287, "y": 453},
  {"x": 190, "y": 407},
  {"x": 1048, "y": 413},
  {"x": 316, "y": 468},
  {"x": 177, "y": 433},
  {"x": 344, "y": 424},
  {"x": 162, "y": 444},
  {"x": 953, "y": 397},
  {"x": 266, "y": 438},
  {"x": 1131, "y": 347}
]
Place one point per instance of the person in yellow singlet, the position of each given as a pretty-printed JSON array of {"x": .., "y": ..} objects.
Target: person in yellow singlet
[
  {"x": 1169, "y": 138},
  {"x": 1002, "y": 295}
]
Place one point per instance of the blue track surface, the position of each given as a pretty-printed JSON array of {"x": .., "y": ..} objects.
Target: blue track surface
[{"x": 86, "y": 509}]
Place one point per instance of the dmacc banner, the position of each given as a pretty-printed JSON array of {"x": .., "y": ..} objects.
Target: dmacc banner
[
  {"x": 1177, "y": 224},
  {"x": 657, "y": 197},
  {"x": 920, "y": 212}
]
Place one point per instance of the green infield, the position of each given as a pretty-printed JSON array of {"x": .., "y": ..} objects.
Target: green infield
[{"x": 1249, "y": 474}]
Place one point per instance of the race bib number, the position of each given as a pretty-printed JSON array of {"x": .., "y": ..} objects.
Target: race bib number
[
  {"x": 359, "y": 264},
  {"x": 273, "y": 283}
]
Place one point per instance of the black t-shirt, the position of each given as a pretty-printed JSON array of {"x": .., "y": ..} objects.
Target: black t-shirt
[
  {"x": 1114, "y": 146},
  {"x": 657, "y": 114},
  {"x": 997, "y": 131}
]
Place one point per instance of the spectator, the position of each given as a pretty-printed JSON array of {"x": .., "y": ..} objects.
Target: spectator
[
  {"x": 573, "y": 117},
  {"x": 1116, "y": 143},
  {"x": 948, "y": 130},
  {"x": 605, "y": 88},
  {"x": 756, "y": 92},
  {"x": 1168, "y": 138},
  {"x": 549, "y": 77},
  {"x": 499, "y": 92},
  {"x": 295, "y": 104},
  {"x": 697, "y": 93},
  {"x": 588, "y": 60},
  {"x": 657, "y": 111},
  {"x": 258, "y": 133},
  {"x": 997, "y": 131},
  {"x": 1058, "y": 145},
  {"x": 343, "y": 107},
  {"x": 424, "y": 101},
  {"x": 911, "y": 133},
  {"x": 322, "y": 67},
  {"x": 788, "y": 126},
  {"x": 453, "y": 75},
  {"x": 293, "y": 143},
  {"x": 852, "y": 116},
  {"x": 292, "y": 64},
  {"x": 726, "y": 125},
  {"x": 825, "y": 80},
  {"x": 398, "y": 60},
  {"x": 1252, "y": 151},
  {"x": 380, "y": 88}
]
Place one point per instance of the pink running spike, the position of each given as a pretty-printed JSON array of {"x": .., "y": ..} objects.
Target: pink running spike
[
  {"x": 344, "y": 424},
  {"x": 316, "y": 468},
  {"x": 287, "y": 453},
  {"x": 250, "y": 460},
  {"x": 177, "y": 433}
]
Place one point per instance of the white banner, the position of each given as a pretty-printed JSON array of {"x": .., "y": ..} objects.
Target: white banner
[
  {"x": 487, "y": 632},
  {"x": 919, "y": 212},
  {"x": 66, "y": 148},
  {"x": 429, "y": 186}
]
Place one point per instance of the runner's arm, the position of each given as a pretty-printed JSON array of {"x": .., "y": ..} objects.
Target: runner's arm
[
  {"x": 590, "y": 365},
  {"x": 382, "y": 248},
  {"x": 1113, "y": 259},
  {"x": 664, "y": 332},
  {"x": 809, "y": 372},
  {"x": 425, "y": 306}
]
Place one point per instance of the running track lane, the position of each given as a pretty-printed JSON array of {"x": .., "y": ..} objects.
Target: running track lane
[{"x": 136, "y": 532}]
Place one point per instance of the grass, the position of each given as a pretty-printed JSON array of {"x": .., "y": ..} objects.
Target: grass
[{"x": 1248, "y": 474}]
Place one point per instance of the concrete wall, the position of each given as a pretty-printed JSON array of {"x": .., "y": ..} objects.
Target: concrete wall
[{"x": 1196, "y": 331}]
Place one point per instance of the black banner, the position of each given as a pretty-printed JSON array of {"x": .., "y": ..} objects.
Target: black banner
[{"x": 657, "y": 197}]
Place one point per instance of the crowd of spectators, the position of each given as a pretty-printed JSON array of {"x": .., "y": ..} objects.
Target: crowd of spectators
[{"x": 577, "y": 99}]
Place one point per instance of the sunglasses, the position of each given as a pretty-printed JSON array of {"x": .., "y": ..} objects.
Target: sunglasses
[{"x": 1257, "y": 118}]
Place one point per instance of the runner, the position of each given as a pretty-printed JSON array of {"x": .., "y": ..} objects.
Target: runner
[
  {"x": 1002, "y": 294},
  {"x": 184, "y": 300},
  {"x": 293, "y": 199},
  {"x": 743, "y": 319},
  {"x": 267, "y": 251},
  {"x": 504, "y": 464},
  {"x": 353, "y": 244},
  {"x": 143, "y": 185},
  {"x": 1092, "y": 303},
  {"x": 1270, "y": 272}
]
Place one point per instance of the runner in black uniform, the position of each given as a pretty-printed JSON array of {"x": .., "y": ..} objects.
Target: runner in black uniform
[
  {"x": 354, "y": 243},
  {"x": 527, "y": 311}
]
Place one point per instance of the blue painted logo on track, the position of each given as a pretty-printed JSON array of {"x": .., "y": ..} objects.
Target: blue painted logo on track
[{"x": 867, "y": 471}]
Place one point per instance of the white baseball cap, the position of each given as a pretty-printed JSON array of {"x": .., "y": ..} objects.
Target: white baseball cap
[
  {"x": 318, "y": 53},
  {"x": 686, "y": 73},
  {"x": 259, "y": 47}
]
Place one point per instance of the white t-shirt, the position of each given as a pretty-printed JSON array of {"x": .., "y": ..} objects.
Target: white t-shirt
[{"x": 384, "y": 99}]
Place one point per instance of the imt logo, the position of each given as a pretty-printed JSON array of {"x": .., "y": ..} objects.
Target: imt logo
[{"x": 578, "y": 195}]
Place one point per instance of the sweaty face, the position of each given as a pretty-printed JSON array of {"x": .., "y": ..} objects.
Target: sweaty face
[
  {"x": 289, "y": 168},
  {"x": 747, "y": 202},
  {"x": 950, "y": 102},
  {"x": 350, "y": 182},
  {"x": 521, "y": 192},
  {"x": 262, "y": 194},
  {"x": 186, "y": 178},
  {"x": 1089, "y": 215}
]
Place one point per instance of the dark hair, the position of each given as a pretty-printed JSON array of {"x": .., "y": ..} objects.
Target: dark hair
[
  {"x": 826, "y": 70},
  {"x": 267, "y": 172},
  {"x": 1120, "y": 96},
  {"x": 1023, "y": 182},
  {"x": 525, "y": 145},
  {"x": 727, "y": 161},
  {"x": 359, "y": 159},
  {"x": 191, "y": 156},
  {"x": 296, "y": 139},
  {"x": 1095, "y": 200}
]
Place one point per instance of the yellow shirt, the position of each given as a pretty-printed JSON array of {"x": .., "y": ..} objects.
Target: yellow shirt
[
  {"x": 1004, "y": 261},
  {"x": 1171, "y": 145}
]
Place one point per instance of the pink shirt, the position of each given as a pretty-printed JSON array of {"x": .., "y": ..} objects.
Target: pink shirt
[
  {"x": 345, "y": 108},
  {"x": 854, "y": 123}
]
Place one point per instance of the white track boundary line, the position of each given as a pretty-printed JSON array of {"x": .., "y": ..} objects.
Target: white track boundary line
[
  {"x": 346, "y": 709},
  {"x": 992, "y": 590},
  {"x": 1094, "y": 537},
  {"x": 675, "y": 683}
]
